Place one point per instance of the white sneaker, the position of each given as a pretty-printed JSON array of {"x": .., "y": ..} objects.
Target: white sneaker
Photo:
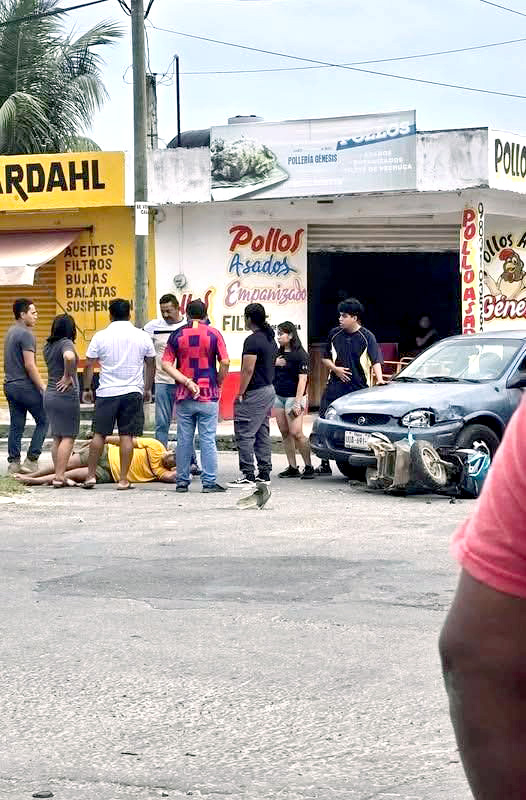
[{"x": 241, "y": 483}]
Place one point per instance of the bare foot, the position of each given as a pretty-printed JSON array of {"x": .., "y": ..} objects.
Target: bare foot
[{"x": 24, "y": 479}]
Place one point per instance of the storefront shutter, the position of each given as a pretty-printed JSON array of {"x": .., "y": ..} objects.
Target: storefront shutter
[
  {"x": 381, "y": 237},
  {"x": 43, "y": 296}
]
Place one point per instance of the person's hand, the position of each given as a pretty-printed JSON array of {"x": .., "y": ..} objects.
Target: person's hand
[
  {"x": 296, "y": 407},
  {"x": 64, "y": 383},
  {"x": 193, "y": 388},
  {"x": 147, "y": 396},
  {"x": 343, "y": 373},
  {"x": 87, "y": 396},
  {"x": 281, "y": 362}
]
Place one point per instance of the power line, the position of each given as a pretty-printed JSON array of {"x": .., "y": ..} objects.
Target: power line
[
  {"x": 53, "y": 13},
  {"x": 503, "y": 8},
  {"x": 358, "y": 63},
  {"x": 339, "y": 66},
  {"x": 125, "y": 7},
  {"x": 150, "y": 4}
]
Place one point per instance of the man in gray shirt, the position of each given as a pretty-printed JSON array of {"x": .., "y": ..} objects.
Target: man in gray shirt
[{"x": 23, "y": 387}]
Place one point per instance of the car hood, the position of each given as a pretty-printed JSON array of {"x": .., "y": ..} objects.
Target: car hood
[{"x": 447, "y": 400}]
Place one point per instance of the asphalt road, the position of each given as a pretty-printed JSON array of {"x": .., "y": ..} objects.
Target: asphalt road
[{"x": 160, "y": 645}]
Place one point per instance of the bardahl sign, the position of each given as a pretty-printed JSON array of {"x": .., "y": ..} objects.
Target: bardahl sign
[{"x": 66, "y": 180}]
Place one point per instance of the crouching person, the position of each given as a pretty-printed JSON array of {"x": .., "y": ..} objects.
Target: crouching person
[{"x": 151, "y": 461}]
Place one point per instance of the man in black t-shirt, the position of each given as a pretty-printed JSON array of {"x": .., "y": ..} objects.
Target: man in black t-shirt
[
  {"x": 350, "y": 353},
  {"x": 255, "y": 399}
]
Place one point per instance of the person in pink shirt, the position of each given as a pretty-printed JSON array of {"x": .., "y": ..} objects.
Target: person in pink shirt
[{"x": 483, "y": 641}]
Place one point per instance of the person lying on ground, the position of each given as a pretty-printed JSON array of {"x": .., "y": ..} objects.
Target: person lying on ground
[{"x": 151, "y": 461}]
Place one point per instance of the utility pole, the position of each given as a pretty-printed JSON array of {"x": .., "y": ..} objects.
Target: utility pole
[{"x": 140, "y": 161}]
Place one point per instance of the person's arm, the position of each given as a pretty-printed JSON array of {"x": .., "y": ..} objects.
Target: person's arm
[
  {"x": 377, "y": 372},
  {"x": 248, "y": 365},
  {"x": 117, "y": 440},
  {"x": 376, "y": 359},
  {"x": 342, "y": 373},
  {"x": 32, "y": 369},
  {"x": 224, "y": 366},
  {"x": 70, "y": 365},
  {"x": 303, "y": 376},
  {"x": 222, "y": 357},
  {"x": 169, "y": 477},
  {"x": 300, "y": 389},
  {"x": 149, "y": 374},
  {"x": 87, "y": 378},
  {"x": 483, "y": 651},
  {"x": 483, "y": 645}
]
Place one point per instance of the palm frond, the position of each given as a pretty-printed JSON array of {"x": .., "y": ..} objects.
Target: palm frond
[{"x": 51, "y": 83}]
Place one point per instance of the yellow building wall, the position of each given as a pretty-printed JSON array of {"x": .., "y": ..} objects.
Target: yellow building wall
[{"x": 98, "y": 267}]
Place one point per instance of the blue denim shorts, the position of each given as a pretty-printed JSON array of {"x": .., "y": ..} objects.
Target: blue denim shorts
[{"x": 286, "y": 403}]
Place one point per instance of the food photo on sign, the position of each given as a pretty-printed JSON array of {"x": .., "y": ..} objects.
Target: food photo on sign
[{"x": 314, "y": 157}]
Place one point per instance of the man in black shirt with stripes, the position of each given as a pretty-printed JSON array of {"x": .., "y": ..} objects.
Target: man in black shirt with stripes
[{"x": 350, "y": 353}]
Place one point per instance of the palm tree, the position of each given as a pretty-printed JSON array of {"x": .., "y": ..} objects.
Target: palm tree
[{"x": 50, "y": 82}]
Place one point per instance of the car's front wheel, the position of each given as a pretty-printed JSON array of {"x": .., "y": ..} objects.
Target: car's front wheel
[
  {"x": 472, "y": 435},
  {"x": 353, "y": 473}
]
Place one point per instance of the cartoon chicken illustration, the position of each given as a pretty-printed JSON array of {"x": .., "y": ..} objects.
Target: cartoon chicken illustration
[{"x": 512, "y": 282}]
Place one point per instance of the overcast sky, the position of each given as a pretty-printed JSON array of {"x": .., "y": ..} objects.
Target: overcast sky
[{"x": 340, "y": 31}]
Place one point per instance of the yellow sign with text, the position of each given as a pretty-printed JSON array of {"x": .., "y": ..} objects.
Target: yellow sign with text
[{"x": 61, "y": 181}]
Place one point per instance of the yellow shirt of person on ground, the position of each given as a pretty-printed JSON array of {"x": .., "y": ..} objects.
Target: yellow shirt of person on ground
[{"x": 151, "y": 462}]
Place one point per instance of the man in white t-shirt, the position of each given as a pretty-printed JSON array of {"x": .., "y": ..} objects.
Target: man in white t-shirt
[
  {"x": 160, "y": 330},
  {"x": 122, "y": 351}
]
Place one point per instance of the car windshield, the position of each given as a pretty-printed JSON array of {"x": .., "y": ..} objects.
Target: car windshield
[{"x": 462, "y": 360}]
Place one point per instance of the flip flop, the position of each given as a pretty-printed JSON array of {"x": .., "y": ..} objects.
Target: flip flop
[
  {"x": 125, "y": 488},
  {"x": 58, "y": 484},
  {"x": 89, "y": 484}
]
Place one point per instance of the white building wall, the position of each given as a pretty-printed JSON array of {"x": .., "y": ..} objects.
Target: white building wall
[
  {"x": 451, "y": 160},
  {"x": 446, "y": 161}
]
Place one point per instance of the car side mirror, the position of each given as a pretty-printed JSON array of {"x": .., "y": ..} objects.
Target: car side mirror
[{"x": 517, "y": 381}]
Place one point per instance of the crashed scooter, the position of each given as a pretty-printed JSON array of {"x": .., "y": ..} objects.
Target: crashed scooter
[{"x": 414, "y": 465}]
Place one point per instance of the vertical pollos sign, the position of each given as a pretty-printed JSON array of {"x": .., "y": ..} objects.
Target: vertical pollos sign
[{"x": 471, "y": 268}]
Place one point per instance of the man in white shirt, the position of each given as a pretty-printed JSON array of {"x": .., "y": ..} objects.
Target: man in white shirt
[
  {"x": 160, "y": 330},
  {"x": 122, "y": 350}
]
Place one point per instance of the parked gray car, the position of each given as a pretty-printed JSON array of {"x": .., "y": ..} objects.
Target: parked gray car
[{"x": 461, "y": 391}]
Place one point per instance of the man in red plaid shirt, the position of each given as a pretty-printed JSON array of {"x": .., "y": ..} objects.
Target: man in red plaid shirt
[{"x": 192, "y": 356}]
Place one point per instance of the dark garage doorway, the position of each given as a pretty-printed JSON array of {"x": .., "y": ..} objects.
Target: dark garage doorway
[{"x": 395, "y": 288}]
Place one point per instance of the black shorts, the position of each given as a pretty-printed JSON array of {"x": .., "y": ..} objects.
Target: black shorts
[{"x": 127, "y": 411}]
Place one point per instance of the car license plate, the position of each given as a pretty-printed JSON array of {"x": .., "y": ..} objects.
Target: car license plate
[{"x": 358, "y": 440}]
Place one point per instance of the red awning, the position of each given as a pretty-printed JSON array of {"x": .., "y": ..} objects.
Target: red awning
[{"x": 23, "y": 252}]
